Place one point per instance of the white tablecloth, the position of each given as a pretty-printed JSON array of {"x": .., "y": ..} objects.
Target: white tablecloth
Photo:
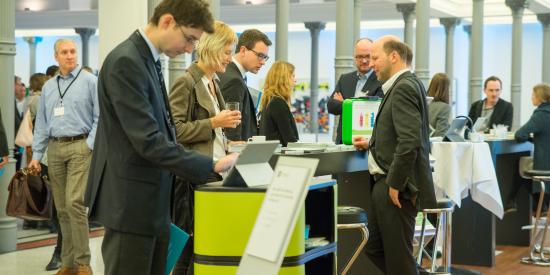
[{"x": 463, "y": 166}]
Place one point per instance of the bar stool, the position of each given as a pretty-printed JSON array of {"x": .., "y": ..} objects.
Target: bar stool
[
  {"x": 444, "y": 212},
  {"x": 538, "y": 236},
  {"x": 351, "y": 217}
]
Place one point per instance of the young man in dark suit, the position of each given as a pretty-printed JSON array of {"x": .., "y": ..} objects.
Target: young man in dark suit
[
  {"x": 136, "y": 154},
  {"x": 398, "y": 161},
  {"x": 250, "y": 55},
  {"x": 495, "y": 109},
  {"x": 359, "y": 83}
]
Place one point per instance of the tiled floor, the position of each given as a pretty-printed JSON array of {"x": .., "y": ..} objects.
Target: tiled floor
[{"x": 33, "y": 261}]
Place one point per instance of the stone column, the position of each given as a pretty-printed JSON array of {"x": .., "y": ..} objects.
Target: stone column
[
  {"x": 8, "y": 226},
  {"x": 545, "y": 21},
  {"x": 357, "y": 20},
  {"x": 85, "y": 34},
  {"x": 407, "y": 10},
  {"x": 476, "y": 49},
  {"x": 281, "y": 32},
  {"x": 314, "y": 28},
  {"x": 468, "y": 30},
  {"x": 517, "y": 7},
  {"x": 32, "y": 41},
  {"x": 450, "y": 25},
  {"x": 343, "y": 61},
  {"x": 422, "y": 55},
  {"x": 215, "y": 8},
  {"x": 176, "y": 68}
]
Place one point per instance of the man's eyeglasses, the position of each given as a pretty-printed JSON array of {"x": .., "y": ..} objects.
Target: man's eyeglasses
[
  {"x": 189, "y": 39},
  {"x": 362, "y": 57},
  {"x": 260, "y": 56}
]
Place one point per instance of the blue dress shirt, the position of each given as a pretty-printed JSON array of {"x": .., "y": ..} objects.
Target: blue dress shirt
[{"x": 81, "y": 110}]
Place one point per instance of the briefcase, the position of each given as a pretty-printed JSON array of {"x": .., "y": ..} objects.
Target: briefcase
[{"x": 29, "y": 196}]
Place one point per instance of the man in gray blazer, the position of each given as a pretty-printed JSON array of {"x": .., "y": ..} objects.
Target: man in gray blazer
[
  {"x": 359, "y": 83},
  {"x": 398, "y": 161},
  {"x": 136, "y": 154}
]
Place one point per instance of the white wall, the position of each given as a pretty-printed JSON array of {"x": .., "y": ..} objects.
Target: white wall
[{"x": 496, "y": 59}]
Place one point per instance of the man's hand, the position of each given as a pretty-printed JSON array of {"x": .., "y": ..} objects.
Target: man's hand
[
  {"x": 338, "y": 97},
  {"x": 4, "y": 161},
  {"x": 226, "y": 162},
  {"x": 394, "y": 196},
  {"x": 35, "y": 164},
  {"x": 360, "y": 143}
]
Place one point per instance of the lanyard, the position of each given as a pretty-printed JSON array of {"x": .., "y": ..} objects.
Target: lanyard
[{"x": 66, "y": 89}]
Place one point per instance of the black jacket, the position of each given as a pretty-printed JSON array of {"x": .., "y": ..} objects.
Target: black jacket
[
  {"x": 346, "y": 86},
  {"x": 539, "y": 126},
  {"x": 135, "y": 153},
  {"x": 503, "y": 112},
  {"x": 234, "y": 89},
  {"x": 4, "y": 151},
  {"x": 400, "y": 141},
  {"x": 277, "y": 122}
]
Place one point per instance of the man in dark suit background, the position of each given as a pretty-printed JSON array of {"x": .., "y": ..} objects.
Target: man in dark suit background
[
  {"x": 398, "y": 161},
  {"x": 359, "y": 83},
  {"x": 250, "y": 55},
  {"x": 20, "y": 104},
  {"x": 495, "y": 109},
  {"x": 4, "y": 151},
  {"x": 136, "y": 155}
]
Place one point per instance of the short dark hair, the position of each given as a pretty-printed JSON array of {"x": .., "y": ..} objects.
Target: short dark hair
[
  {"x": 36, "y": 81},
  {"x": 250, "y": 37},
  {"x": 399, "y": 47},
  {"x": 188, "y": 13},
  {"x": 439, "y": 87},
  {"x": 491, "y": 78},
  {"x": 52, "y": 70}
]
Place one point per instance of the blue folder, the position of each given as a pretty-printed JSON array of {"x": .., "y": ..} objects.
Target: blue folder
[{"x": 178, "y": 239}]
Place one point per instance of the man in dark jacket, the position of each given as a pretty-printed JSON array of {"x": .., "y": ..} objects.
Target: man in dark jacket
[{"x": 494, "y": 109}]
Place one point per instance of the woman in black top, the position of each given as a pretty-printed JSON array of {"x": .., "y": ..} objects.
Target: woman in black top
[{"x": 276, "y": 120}]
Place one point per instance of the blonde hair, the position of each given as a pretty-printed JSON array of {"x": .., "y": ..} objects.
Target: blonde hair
[
  {"x": 210, "y": 48},
  {"x": 542, "y": 92},
  {"x": 277, "y": 83}
]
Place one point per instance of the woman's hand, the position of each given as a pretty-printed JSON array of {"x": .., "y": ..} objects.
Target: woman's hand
[{"x": 226, "y": 119}]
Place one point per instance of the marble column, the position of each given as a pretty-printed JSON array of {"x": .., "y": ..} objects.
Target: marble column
[
  {"x": 545, "y": 21},
  {"x": 314, "y": 28},
  {"x": 215, "y": 8},
  {"x": 85, "y": 34},
  {"x": 281, "y": 32},
  {"x": 450, "y": 25},
  {"x": 343, "y": 61},
  {"x": 422, "y": 55},
  {"x": 357, "y": 19},
  {"x": 32, "y": 41},
  {"x": 8, "y": 225},
  {"x": 476, "y": 49},
  {"x": 517, "y": 7},
  {"x": 408, "y": 10}
]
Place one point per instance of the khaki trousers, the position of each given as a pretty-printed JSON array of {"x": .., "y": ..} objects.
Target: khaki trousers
[{"x": 68, "y": 165}]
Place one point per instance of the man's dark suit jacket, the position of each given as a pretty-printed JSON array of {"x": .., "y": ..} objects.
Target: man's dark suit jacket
[
  {"x": 400, "y": 141},
  {"x": 346, "y": 86},
  {"x": 4, "y": 151},
  {"x": 135, "y": 153},
  {"x": 503, "y": 112},
  {"x": 234, "y": 89},
  {"x": 18, "y": 118}
]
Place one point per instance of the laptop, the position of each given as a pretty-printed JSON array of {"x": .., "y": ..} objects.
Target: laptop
[
  {"x": 479, "y": 124},
  {"x": 455, "y": 132},
  {"x": 252, "y": 167}
]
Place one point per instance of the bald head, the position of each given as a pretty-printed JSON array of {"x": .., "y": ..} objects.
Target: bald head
[{"x": 361, "y": 54}]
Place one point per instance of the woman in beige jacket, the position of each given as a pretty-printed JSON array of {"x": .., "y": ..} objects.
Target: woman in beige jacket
[{"x": 200, "y": 116}]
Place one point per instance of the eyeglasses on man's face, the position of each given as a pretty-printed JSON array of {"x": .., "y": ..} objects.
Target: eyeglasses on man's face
[
  {"x": 189, "y": 39},
  {"x": 362, "y": 57},
  {"x": 260, "y": 56}
]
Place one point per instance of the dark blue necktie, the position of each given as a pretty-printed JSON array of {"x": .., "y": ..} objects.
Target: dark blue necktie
[{"x": 158, "y": 67}]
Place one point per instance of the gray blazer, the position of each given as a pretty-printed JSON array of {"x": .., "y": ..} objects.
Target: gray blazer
[
  {"x": 135, "y": 155},
  {"x": 400, "y": 141},
  {"x": 440, "y": 114}
]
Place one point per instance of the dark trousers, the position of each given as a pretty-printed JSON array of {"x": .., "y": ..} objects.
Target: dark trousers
[
  {"x": 134, "y": 254},
  {"x": 391, "y": 232},
  {"x": 184, "y": 265}
]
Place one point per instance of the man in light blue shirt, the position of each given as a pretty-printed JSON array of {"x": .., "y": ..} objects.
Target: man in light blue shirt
[{"x": 66, "y": 123}]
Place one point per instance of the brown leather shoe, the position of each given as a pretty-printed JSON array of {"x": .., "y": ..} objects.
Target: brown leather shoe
[
  {"x": 84, "y": 270},
  {"x": 66, "y": 271}
]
